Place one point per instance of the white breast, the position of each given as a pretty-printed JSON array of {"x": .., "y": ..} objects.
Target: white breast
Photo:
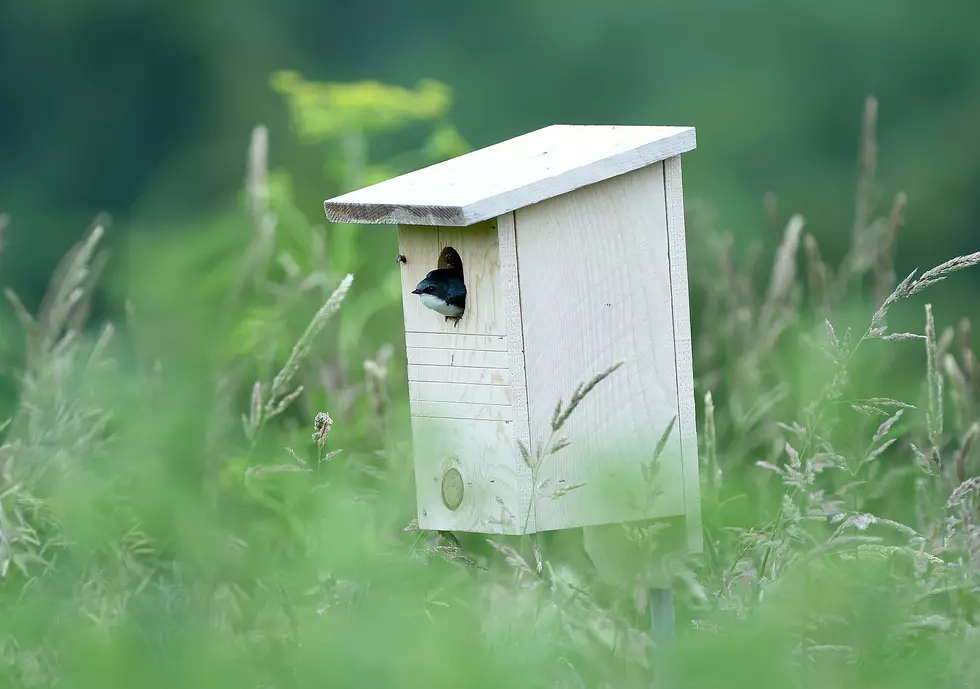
[{"x": 439, "y": 306}]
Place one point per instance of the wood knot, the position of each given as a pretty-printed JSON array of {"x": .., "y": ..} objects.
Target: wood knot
[{"x": 452, "y": 488}]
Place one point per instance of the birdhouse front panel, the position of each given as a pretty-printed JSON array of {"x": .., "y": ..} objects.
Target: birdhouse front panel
[{"x": 468, "y": 473}]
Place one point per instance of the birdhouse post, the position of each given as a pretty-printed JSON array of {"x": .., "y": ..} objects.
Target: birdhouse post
[{"x": 558, "y": 254}]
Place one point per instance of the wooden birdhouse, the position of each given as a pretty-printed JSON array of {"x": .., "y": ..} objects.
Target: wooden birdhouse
[{"x": 570, "y": 243}]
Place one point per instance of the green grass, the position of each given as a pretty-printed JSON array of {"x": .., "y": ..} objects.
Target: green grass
[{"x": 175, "y": 511}]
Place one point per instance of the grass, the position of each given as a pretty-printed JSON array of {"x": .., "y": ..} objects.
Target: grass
[{"x": 229, "y": 508}]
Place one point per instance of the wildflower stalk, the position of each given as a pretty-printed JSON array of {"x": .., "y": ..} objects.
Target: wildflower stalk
[
  {"x": 305, "y": 344},
  {"x": 710, "y": 446}
]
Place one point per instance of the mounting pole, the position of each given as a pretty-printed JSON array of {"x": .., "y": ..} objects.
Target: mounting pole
[{"x": 662, "y": 630}]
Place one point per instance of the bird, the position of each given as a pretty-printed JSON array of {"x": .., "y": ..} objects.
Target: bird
[{"x": 443, "y": 291}]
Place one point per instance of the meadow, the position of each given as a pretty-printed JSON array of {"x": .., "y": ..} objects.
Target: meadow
[{"x": 215, "y": 490}]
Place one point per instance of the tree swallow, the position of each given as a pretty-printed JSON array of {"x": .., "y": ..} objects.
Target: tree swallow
[{"x": 443, "y": 291}]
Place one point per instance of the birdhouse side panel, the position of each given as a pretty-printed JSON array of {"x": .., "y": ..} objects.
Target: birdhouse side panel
[{"x": 595, "y": 284}]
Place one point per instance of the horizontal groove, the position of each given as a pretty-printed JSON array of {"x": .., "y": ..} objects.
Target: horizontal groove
[
  {"x": 458, "y": 349},
  {"x": 460, "y": 382},
  {"x": 469, "y": 358},
  {"x": 467, "y": 404},
  {"x": 423, "y": 373},
  {"x": 459, "y": 393},
  {"x": 463, "y": 341},
  {"x": 460, "y": 418},
  {"x": 455, "y": 366},
  {"x": 462, "y": 410}
]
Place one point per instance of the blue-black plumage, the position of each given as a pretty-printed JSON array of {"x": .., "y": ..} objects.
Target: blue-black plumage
[{"x": 444, "y": 292}]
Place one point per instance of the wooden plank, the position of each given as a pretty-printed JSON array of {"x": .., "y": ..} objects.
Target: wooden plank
[
  {"x": 502, "y": 178},
  {"x": 477, "y": 248},
  {"x": 461, "y": 410},
  {"x": 483, "y": 453},
  {"x": 458, "y": 392},
  {"x": 604, "y": 298},
  {"x": 686, "y": 421},
  {"x": 496, "y": 343},
  {"x": 467, "y": 358},
  {"x": 510, "y": 277},
  {"x": 455, "y": 374}
]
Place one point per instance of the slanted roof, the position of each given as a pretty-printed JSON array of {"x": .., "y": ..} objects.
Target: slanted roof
[{"x": 519, "y": 172}]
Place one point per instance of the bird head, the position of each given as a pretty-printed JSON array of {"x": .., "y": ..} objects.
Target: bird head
[
  {"x": 430, "y": 286},
  {"x": 440, "y": 283}
]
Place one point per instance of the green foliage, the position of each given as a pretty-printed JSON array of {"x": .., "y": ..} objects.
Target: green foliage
[
  {"x": 207, "y": 495},
  {"x": 245, "y": 314},
  {"x": 323, "y": 112},
  {"x": 348, "y": 115}
]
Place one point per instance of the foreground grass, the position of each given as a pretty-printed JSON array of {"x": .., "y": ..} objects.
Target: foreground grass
[{"x": 175, "y": 510}]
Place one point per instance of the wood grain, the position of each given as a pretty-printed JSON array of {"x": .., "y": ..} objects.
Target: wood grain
[
  {"x": 464, "y": 358},
  {"x": 491, "y": 495},
  {"x": 558, "y": 290},
  {"x": 510, "y": 175},
  {"x": 449, "y": 374},
  {"x": 510, "y": 278},
  {"x": 461, "y": 410},
  {"x": 459, "y": 379},
  {"x": 686, "y": 422},
  {"x": 595, "y": 288},
  {"x": 432, "y": 391},
  {"x": 496, "y": 343}
]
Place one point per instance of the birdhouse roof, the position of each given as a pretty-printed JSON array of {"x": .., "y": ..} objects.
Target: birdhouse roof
[{"x": 509, "y": 175}]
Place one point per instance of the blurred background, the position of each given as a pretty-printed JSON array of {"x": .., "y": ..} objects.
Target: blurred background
[
  {"x": 158, "y": 480},
  {"x": 143, "y": 109}
]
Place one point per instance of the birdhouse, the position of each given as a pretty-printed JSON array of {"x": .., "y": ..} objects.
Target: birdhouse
[{"x": 557, "y": 255}]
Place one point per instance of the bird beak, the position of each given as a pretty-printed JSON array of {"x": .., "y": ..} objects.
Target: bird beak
[{"x": 416, "y": 291}]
